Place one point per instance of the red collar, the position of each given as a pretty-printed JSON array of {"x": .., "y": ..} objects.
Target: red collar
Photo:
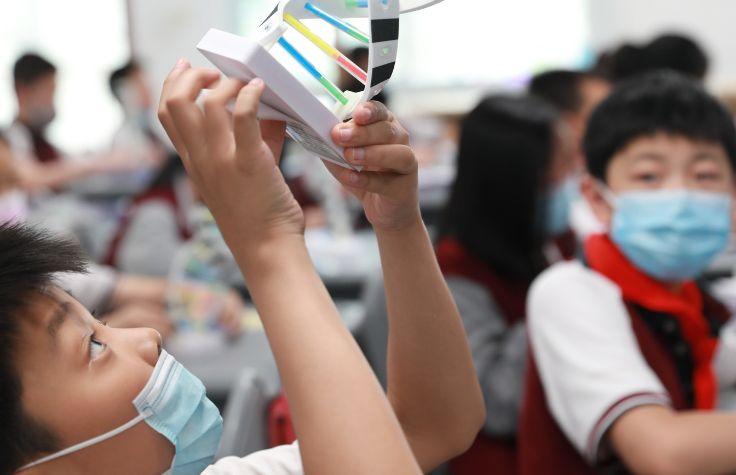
[{"x": 686, "y": 307}]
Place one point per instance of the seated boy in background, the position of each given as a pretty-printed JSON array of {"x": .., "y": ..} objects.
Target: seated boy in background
[
  {"x": 67, "y": 380},
  {"x": 628, "y": 352},
  {"x": 121, "y": 300}
]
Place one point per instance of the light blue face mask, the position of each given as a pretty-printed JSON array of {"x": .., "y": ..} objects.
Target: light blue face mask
[
  {"x": 558, "y": 203},
  {"x": 173, "y": 403},
  {"x": 672, "y": 235}
]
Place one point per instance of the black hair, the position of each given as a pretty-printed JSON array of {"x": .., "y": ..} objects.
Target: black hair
[
  {"x": 358, "y": 53},
  {"x": 662, "y": 101},
  {"x": 679, "y": 53},
  {"x": 504, "y": 158},
  {"x": 560, "y": 88},
  {"x": 29, "y": 259},
  {"x": 672, "y": 51},
  {"x": 120, "y": 75},
  {"x": 31, "y": 67}
]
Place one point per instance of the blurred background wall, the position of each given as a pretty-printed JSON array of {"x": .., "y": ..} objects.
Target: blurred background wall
[{"x": 451, "y": 53}]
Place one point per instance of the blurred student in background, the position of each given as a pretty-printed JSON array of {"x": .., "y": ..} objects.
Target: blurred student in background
[
  {"x": 575, "y": 94},
  {"x": 120, "y": 300},
  {"x": 508, "y": 204},
  {"x": 157, "y": 220},
  {"x": 347, "y": 82},
  {"x": 13, "y": 202},
  {"x": 42, "y": 165},
  {"x": 628, "y": 353},
  {"x": 136, "y": 135},
  {"x": 671, "y": 51}
]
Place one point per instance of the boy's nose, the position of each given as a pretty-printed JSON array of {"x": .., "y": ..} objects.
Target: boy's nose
[{"x": 150, "y": 346}]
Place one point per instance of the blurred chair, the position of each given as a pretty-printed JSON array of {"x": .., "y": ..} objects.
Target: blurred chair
[{"x": 245, "y": 429}]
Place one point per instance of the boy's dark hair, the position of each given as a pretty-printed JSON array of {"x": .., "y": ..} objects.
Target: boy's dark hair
[
  {"x": 120, "y": 75},
  {"x": 560, "y": 88},
  {"x": 503, "y": 166},
  {"x": 29, "y": 258},
  {"x": 658, "y": 102},
  {"x": 31, "y": 67}
]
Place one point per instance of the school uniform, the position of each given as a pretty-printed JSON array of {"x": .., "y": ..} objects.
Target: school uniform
[
  {"x": 605, "y": 338},
  {"x": 493, "y": 310},
  {"x": 283, "y": 460}
]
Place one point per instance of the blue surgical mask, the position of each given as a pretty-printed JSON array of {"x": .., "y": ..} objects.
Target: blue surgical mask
[
  {"x": 173, "y": 402},
  {"x": 558, "y": 203},
  {"x": 671, "y": 235}
]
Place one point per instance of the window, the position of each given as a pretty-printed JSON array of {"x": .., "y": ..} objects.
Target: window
[
  {"x": 86, "y": 40},
  {"x": 481, "y": 42}
]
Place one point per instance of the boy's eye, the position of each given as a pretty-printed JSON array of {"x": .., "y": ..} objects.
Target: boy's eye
[
  {"x": 96, "y": 348},
  {"x": 646, "y": 177},
  {"x": 708, "y": 176}
]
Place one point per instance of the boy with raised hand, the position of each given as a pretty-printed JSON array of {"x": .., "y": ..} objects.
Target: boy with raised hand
[
  {"x": 628, "y": 352},
  {"x": 67, "y": 382},
  {"x": 436, "y": 398}
]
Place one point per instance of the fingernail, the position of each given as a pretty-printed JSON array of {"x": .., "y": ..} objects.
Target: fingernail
[
  {"x": 257, "y": 82},
  {"x": 346, "y": 133},
  {"x": 182, "y": 63},
  {"x": 358, "y": 155},
  {"x": 366, "y": 113}
]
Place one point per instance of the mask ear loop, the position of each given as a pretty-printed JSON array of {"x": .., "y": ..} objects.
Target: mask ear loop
[
  {"x": 608, "y": 195},
  {"x": 83, "y": 445},
  {"x": 150, "y": 392}
]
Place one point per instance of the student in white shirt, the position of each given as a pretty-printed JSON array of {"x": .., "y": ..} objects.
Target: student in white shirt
[
  {"x": 78, "y": 378},
  {"x": 627, "y": 351}
]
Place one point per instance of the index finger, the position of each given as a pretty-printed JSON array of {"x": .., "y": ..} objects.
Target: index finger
[
  {"x": 163, "y": 114},
  {"x": 186, "y": 115}
]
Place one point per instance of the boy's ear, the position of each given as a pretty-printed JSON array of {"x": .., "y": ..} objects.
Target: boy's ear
[{"x": 598, "y": 203}]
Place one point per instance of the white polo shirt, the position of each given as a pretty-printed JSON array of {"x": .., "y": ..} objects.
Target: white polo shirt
[
  {"x": 283, "y": 460},
  {"x": 589, "y": 361}
]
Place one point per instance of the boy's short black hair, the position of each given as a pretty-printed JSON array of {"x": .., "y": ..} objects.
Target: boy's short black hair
[
  {"x": 120, "y": 75},
  {"x": 31, "y": 67},
  {"x": 29, "y": 259},
  {"x": 560, "y": 88},
  {"x": 663, "y": 101}
]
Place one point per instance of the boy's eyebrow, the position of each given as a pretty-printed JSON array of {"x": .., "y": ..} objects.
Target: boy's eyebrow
[
  {"x": 703, "y": 155},
  {"x": 648, "y": 155},
  {"x": 57, "y": 320}
]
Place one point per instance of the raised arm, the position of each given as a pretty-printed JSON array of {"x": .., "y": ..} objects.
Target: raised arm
[
  {"x": 342, "y": 418},
  {"x": 432, "y": 384}
]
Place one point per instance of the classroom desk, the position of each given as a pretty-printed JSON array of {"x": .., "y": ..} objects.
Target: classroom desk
[
  {"x": 344, "y": 264},
  {"x": 218, "y": 369}
]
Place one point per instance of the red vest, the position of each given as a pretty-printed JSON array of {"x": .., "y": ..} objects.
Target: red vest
[
  {"x": 163, "y": 194},
  {"x": 543, "y": 448},
  {"x": 491, "y": 454}
]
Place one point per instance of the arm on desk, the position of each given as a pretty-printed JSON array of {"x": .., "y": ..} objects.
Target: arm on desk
[
  {"x": 656, "y": 440},
  {"x": 342, "y": 418},
  {"x": 39, "y": 176}
]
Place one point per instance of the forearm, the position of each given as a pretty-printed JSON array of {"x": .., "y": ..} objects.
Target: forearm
[
  {"x": 659, "y": 441},
  {"x": 54, "y": 175},
  {"x": 432, "y": 382},
  {"x": 343, "y": 420},
  {"x": 139, "y": 289}
]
